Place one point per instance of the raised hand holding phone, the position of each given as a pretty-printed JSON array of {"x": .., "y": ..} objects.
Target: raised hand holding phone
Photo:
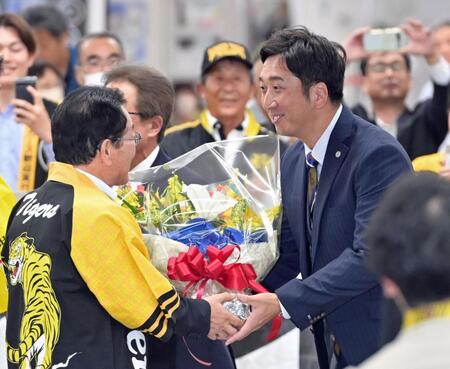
[{"x": 31, "y": 111}]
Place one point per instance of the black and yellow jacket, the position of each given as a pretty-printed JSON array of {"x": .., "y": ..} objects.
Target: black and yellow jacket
[
  {"x": 185, "y": 137},
  {"x": 81, "y": 286}
]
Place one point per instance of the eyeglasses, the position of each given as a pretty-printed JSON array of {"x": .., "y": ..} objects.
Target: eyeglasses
[
  {"x": 396, "y": 66},
  {"x": 136, "y": 113},
  {"x": 96, "y": 62},
  {"x": 136, "y": 138}
]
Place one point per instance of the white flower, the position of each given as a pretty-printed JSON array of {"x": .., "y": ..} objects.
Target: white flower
[{"x": 208, "y": 205}]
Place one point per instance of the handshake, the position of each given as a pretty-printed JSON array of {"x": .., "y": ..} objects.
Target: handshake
[{"x": 234, "y": 317}]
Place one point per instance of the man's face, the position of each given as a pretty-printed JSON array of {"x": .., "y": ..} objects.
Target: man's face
[
  {"x": 16, "y": 57},
  {"x": 283, "y": 99},
  {"x": 123, "y": 153},
  {"x": 143, "y": 126},
  {"x": 49, "y": 47},
  {"x": 97, "y": 55},
  {"x": 441, "y": 40},
  {"x": 387, "y": 77},
  {"x": 226, "y": 89}
]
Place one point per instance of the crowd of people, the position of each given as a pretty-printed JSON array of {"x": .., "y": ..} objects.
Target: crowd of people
[{"x": 77, "y": 287}]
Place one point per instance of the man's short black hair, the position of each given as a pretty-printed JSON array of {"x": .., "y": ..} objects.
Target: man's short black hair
[
  {"x": 46, "y": 17},
  {"x": 104, "y": 34},
  {"x": 310, "y": 57},
  {"x": 85, "y": 118},
  {"x": 363, "y": 63},
  {"x": 409, "y": 238}
]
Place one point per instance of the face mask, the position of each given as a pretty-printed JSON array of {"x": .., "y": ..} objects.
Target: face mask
[
  {"x": 55, "y": 94},
  {"x": 94, "y": 79}
]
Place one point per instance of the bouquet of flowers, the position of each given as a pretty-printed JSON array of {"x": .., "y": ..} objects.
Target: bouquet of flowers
[{"x": 211, "y": 217}]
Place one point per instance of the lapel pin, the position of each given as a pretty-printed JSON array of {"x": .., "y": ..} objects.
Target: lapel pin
[{"x": 338, "y": 154}]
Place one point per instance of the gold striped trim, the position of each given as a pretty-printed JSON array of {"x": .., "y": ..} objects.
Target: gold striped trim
[{"x": 180, "y": 127}]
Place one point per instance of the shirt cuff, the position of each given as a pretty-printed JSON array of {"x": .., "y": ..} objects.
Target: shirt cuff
[
  {"x": 440, "y": 72},
  {"x": 284, "y": 312}
]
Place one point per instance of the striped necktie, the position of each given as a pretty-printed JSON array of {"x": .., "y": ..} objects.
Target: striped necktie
[{"x": 311, "y": 167}]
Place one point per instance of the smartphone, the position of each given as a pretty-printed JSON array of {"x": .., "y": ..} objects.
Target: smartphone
[
  {"x": 384, "y": 39},
  {"x": 21, "y": 88}
]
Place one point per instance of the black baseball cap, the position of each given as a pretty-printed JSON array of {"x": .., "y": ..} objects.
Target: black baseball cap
[{"x": 225, "y": 50}]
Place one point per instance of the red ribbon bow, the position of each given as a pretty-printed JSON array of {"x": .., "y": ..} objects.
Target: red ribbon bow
[{"x": 193, "y": 267}]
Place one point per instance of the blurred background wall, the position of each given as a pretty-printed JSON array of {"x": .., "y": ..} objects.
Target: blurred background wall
[{"x": 171, "y": 34}]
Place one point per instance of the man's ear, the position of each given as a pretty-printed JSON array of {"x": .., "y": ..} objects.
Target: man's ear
[
  {"x": 154, "y": 126},
  {"x": 390, "y": 288},
  {"x": 105, "y": 152},
  {"x": 201, "y": 90},
  {"x": 318, "y": 95}
]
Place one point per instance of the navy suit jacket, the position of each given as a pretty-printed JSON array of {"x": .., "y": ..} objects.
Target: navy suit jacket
[
  {"x": 361, "y": 162},
  {"x": 161, "y": 158}
]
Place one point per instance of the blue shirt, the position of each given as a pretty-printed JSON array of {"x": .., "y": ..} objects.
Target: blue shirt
[{"x": 11, "y": 135}]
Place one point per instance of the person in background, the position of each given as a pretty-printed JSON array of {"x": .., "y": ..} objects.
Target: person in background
[
  {"x": 98, "y": 53},
  {"x": 187, "y": 104},
  {"x": 387, "y": 81},
  {"x": 226, "y": 86},
  {"x": 149, "y": 101},
  {"x": 438, "y": 162},
  {"x": 7, "y": 201},
  {"x": 25, "y": 130},
  {"x": 51, "y": 30},
  {"x": 50, "y": 83},
  {"x": 331, "y": 181},
  {"x": 82, "y": 289},
  {"x": 409, "y": 249}
]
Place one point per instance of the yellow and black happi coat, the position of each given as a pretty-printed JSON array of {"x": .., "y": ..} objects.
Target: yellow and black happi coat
[{"x": 82, "y": 289}]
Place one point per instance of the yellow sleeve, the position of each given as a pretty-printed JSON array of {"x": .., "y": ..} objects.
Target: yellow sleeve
[
  {"x": 7, "y": 201},
  {"x": 110, "y": 255},
  {"x": 431, "y": 163}
]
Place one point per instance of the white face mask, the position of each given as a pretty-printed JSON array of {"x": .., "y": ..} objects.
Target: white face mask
[
  {"x": 94, "y": 79},
  {"x": 55, "y": 94}
]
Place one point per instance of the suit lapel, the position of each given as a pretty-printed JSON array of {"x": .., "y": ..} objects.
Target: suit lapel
[
  {"x": 161, "y": 158},
  {"x": 337, "y": 150}
]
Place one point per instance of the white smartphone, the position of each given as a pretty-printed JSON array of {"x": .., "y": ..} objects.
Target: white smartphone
[{"x": 384, "y": 39}]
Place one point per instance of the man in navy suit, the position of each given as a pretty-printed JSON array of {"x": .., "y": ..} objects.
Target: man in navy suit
[{"x": 331, "y": 182}]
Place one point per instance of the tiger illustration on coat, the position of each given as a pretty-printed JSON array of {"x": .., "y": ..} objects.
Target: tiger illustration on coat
[{"x": 40, "y": 325}]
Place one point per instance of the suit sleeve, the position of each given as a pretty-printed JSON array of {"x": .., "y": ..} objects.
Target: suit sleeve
[{"x": 347, "y": 276}]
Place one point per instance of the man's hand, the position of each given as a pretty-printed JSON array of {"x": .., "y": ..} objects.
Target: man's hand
[
  {"x": 265, "y": 307},
  {"x": 223, "y": 323},
  {"x": 420, "y": 42},
  {"x": 353, "y": 45},
  {"x": 34, "y": 115}
]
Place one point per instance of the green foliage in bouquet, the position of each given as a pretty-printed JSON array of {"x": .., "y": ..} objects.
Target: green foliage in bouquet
[{"x": 170, "y": 208}]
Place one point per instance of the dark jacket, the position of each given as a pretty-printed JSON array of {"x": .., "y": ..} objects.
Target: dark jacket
[
  {"x": 185, "y": 137},
  {"x": 422, "y": 130}
]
